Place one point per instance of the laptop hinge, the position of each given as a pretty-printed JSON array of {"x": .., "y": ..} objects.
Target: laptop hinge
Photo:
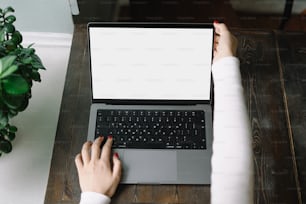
[{"x": 152, "y": 102}]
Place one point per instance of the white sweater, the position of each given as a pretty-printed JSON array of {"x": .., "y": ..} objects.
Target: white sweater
[
  {"x": 232, "y": 164},
  {"x": 232, "y": 160}
]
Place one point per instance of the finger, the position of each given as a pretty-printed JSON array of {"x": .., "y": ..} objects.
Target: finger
[
  {"x": 117, "y": 168},
  {"x": 86, "y": 152},
  {"x": 106, "y": 150},
  {"x": 216, "y": 34},
  {"x": 216, "y": 41},
  {"x": 78, "y": 162},
  {"x": 216, "y": 38},
  {"x": 215, "y": 50},
  {"x": 220, "y": 28},
  {"x": 117, "y": 171},
  {"x": 217, "y": 28},
  {"x": 96, "y": 148}
]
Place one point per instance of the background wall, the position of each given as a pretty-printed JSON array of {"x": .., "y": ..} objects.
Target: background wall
[{"x": 41, "y": 15}]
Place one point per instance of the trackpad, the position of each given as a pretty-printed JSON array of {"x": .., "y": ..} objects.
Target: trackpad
[{"x": 149, "y": 166}]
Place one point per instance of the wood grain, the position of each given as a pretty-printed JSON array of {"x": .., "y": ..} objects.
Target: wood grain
[
  {"x": 293, "y": 66},
  {"x": 72, "y": 127},
  {"x": 274, "y": 170}
]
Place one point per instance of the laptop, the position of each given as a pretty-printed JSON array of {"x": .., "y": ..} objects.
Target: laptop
[{"x": 152, "y": 91}]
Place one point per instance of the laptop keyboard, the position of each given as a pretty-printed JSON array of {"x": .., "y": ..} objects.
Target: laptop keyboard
[{"x": 153, "y": 129}]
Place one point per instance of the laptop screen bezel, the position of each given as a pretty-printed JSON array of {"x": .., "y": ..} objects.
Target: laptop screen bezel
[{"x": 146, "y": 25}]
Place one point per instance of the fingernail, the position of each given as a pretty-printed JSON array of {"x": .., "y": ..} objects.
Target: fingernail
[
  {"x": 116, "y": 155},
  {"x": 110, "y": 137},
  {"x": 216, "y": 21}
]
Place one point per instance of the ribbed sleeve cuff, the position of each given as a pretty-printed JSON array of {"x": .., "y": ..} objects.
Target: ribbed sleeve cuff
[{"x": 94, "y": 198}]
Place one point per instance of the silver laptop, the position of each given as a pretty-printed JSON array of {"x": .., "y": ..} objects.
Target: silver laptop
[{"x": 151, "y": 90}]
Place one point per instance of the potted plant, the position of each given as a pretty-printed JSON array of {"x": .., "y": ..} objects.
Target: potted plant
[{"x": 19, "y": 67}]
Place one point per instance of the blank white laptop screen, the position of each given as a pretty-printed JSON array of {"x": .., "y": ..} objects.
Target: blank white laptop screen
[{"x": 151, "y": 63}]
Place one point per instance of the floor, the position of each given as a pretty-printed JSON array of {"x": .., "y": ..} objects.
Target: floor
[{"x": 25, "y": 171}]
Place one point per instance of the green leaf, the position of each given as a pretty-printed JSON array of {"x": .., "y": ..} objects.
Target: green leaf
[
  {"x": 8, "y": 60},
  {"x": 13, "y": 102},
  {"x": 37, "y": 63},
  {"x": 10, "y": 19},
  {"x": 9, "y": 28},
  {"x": 11, "y": 136},
  {"x": 27, "y": 60},
  {"x": 4, "y": 131},
  {"x": 31, "y": 45},
  {"x": 12, "y": 113},
  {"x": 5, "y": 146},
  {"x": 8, "y": 9},
  {"x": 8, "y": 71},
  {"x": 15, "y": 85},
  {"x": 24, "y": 105},
  {"x": 3, "y": 120},
  {"x": 35, "y": 76},
  {"x": 16, "y": 37},
  {"x": 6, "y": 63},
  {"x": 10, "y": 45},
  {"x": 13, "y": 128},
  {"x": 2, "y": 35}
]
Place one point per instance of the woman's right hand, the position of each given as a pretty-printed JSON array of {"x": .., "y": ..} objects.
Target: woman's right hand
[
  {"x": 97, "y": 173},
  {"x": 225, "y": 44}
]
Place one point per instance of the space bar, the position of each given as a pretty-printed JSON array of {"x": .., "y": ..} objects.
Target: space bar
[{"x": 144, "y": 146}]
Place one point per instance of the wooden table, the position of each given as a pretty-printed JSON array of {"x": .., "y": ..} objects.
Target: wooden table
[{"x": 271, "y": 64}]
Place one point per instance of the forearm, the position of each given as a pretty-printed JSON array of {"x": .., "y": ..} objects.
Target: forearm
[{"x": 232, "y": 164}]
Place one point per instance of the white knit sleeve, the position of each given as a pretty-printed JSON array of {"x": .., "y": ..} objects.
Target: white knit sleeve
[
  {"x": 232, "y": 160},
  {"x": 94, "y": 198}
]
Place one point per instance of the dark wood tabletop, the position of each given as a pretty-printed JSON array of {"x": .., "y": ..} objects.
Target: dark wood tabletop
[{"x": 273, "y": 68}]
